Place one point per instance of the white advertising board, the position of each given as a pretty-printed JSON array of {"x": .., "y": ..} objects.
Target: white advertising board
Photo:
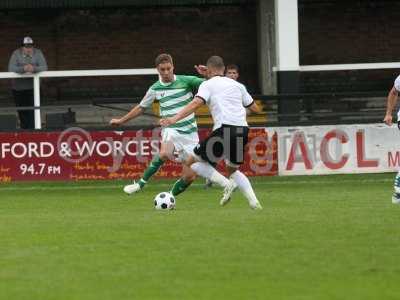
[{"x": 338, "y": 149}]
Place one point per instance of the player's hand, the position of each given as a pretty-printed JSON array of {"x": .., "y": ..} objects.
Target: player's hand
[
  {"x": 115, "y": 122},
  {"x": 201, "y": 69},
  {"x": 166, "y": 122},
  {"x": 388, "y": 120}
]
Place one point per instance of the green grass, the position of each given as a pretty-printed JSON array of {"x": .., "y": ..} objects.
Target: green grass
[{"x": 321, "y": 237}]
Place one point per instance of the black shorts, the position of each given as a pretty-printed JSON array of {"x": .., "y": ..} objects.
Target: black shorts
[{"x": 226, "y": 142}]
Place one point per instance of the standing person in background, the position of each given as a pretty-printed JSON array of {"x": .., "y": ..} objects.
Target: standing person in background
[
  {"x": 26, "y": 60},
  {"x": 391, "y": 103}
]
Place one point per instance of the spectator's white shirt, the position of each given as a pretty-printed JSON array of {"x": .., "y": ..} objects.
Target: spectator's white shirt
[{"x": 227, "y": 100}]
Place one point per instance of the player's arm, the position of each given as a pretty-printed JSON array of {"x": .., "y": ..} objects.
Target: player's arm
[
  {"x": 147, "y": 100},
  {"x": 136, "y": 111},
  {"x": 189, "y": 109},
  {"x": 391, "y": 103},
  {"x": 254, "y": 108},
  {"x": 248, "y": 101}
]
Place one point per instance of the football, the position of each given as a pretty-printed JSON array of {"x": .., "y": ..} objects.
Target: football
[{"x": 164, "y": 201}]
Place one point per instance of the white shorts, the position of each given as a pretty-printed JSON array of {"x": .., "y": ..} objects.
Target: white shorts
[{"x": 183, "y": 143}]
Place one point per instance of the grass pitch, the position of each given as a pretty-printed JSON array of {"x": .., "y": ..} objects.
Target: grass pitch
[{"x": 321, "y": 237}]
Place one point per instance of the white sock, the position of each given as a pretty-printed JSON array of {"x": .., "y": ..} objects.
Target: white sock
[
  {"x": 245, "y": 186},
  {"x": 207, "y": 171}
]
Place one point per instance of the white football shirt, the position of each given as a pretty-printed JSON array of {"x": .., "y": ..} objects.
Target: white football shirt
[{"x": 227, "y": 100}]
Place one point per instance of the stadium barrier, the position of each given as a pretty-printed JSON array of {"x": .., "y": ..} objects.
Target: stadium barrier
[
  {"x": 337, "y": 149},
  {"x": 80, "y": 73},
  {"x": 77, "y": 154},
  {"x": 315, "y": 108}
]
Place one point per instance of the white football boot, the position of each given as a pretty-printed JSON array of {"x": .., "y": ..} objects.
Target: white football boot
[
  {"x": 132, "y": 188},
  {"x": 396, "y": 198},
  {"x": 256, "y": 206}
]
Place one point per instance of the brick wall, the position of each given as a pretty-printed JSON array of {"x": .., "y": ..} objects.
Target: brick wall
[
  {"x": 131, "y": 38},
  {"x": 330, "y": 31},
  {"x": 339, "y": 32}
]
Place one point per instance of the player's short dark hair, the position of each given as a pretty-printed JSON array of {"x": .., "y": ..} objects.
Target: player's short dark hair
[
  {"x": 216, "y": 62},
  {"x": 232, "y": 67},
  {"x": 163, "y": 58}
]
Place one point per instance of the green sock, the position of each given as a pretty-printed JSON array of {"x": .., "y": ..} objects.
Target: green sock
[
  {"x": 180, "y": 186},
  {"x": 155, "y": 164}
]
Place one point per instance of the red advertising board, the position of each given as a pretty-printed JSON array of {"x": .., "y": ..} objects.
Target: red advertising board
[{"x": 76, "y": 154}]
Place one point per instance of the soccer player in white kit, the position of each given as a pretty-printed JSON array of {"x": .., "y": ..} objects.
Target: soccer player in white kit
[
  {"x": 227, "y": 100},
  {"x": 391, "y": 103},
  {"x": 231, "y": 71}
]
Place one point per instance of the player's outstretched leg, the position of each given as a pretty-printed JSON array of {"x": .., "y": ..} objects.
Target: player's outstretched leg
[
  {"x": 154, "y": 166},
  {"x": 207, "y": 171},
  {"x": 245, "y": 187},
  {"x": 396, "y": 194},
  {"x": 180, "y": 186},
  {"x": 188, "y": 176}
]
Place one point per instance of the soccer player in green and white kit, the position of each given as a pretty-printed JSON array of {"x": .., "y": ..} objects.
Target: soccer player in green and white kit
[{"x": 174, "y": 92}]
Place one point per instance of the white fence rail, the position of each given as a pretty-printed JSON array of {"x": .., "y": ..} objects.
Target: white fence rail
[
  {"x": 81, "y": 73},
  {"x": 345, "y": 67},
  {"x": 153, "y": 71}
]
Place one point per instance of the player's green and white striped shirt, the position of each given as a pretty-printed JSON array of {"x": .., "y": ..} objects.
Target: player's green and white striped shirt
[{"x": 173, "y": 97}]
